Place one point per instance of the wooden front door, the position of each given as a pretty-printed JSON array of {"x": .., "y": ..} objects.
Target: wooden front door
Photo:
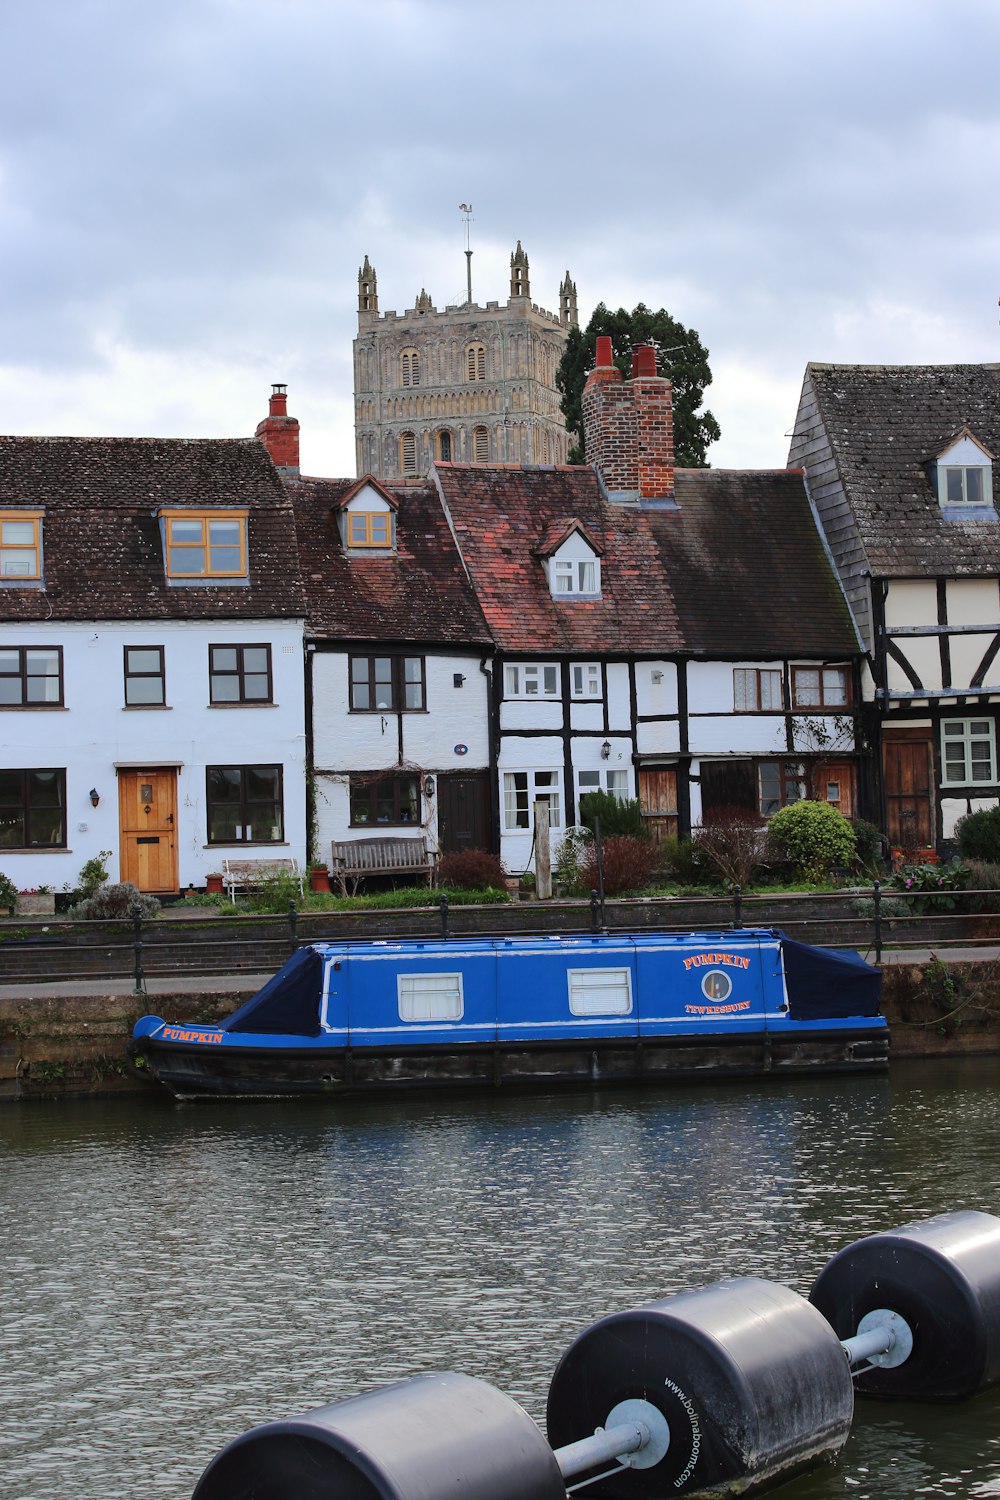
[
  {"x": 147, "y": 815},
  {"x": 464, "y": 820},
  {"x": 658, "y": 800},
  {"x": 909, "y": 784}
]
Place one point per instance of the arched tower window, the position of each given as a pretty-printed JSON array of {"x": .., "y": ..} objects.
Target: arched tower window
[
  {"x": 475, "y": 362},
  {"x": 480, "y": 445},
  {"x": 445, "y": 446},
  {"x": 408, "y": 452},
  {"x": 409, "y": 367}
]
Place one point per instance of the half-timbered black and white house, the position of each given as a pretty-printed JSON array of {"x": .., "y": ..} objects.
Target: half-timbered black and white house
[{"x": 899, "y": 464}]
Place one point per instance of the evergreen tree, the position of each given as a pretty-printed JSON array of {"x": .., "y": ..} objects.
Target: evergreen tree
[{"x": 680, "y": 356}]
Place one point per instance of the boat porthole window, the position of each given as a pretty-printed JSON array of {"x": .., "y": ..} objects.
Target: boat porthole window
[{"x": 716, "y": 985}]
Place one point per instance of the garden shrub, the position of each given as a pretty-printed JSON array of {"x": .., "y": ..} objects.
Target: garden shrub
[
  {"x": 733, "y": 844},
  {"x": 93, "y": 873},
  {"x": 978, "y": 835},
  {"x": 871, "y": 844},
  {"x": 681, "y": 861},
  {"x": 114, "y": 901},
  {"x": 814, "y": 837},
  {"x": 575, "y": 843},
  {"x": 268, "y": 893},
  {"x": 629, "y": 864},
  {"x": 8, "y": 894},
  {"x": 618, "y": 819},
  {"x": 471, "y": 870},
  {"x": 983, "y": 886},
  {"x": 932, "y": 887}
]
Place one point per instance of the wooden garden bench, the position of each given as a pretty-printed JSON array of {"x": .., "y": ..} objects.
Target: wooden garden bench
[{"x": 353, "y": 859}]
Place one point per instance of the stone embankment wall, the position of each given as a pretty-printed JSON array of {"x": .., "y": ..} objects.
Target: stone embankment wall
[{"x": 76, "y": 1044}]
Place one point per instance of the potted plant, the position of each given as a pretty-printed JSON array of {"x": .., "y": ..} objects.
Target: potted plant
[
  {"x": 37, "y": 902},
  {"x": 319, "y": 878}
]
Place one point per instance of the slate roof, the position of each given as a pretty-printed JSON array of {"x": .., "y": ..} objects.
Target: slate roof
[
  {"x": 748, "y": 569},
  {"x": 421, "y": 594},
  {"x": 103, "y": 557},
  {"x": 885, "y": 425},
  {"x": 738, "y": 569}
]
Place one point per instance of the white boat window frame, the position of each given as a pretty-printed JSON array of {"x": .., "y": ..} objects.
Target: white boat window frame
[
  {"x": 411, "y": 988},
  {"x": 580, "y": 981}
]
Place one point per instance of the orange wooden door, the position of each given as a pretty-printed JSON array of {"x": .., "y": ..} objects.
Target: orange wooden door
[
  {"x": 147, "y": 813},
  {"x": 833, "y": 781},
  {"x": 658, "y": 800},
  {"x": 908, "y": 792}
]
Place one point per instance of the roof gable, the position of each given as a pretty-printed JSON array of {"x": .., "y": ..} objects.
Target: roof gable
[{"x": 886, "y": 426}]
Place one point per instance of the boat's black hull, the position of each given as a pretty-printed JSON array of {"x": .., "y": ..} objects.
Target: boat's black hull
[{"x": 231, "y": 1071}]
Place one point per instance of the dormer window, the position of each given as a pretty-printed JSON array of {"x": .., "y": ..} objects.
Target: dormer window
[
  {"x": 368, "y": 518},
  {"x": 964, "y": 474},
  {"x": 576, "y": 576},
  {"x": 572, "y": 560},
  {"x": 965, "y": 485},
  {"x": 20, "y": 546},
  {"x": 367, "y": 528},
  {"x": 209, "y": 545}
]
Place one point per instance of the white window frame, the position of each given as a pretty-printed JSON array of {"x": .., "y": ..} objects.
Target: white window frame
[
  {"x": 985, "y": 484},
  {"x": 570, "y": 578},
  {"x": 520, "y": 799},
  {"x": 586, "y": 679},
  {"x": 582, "y": 983},
  {"x": 422, "y": 998},
  {"x": 606, "y": 778},
  {"x": 967, "y": 739},
  {"x": 531, "y": 679}
]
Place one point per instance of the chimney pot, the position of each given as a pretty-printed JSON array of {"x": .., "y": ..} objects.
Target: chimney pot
[
  {"x": 604, "y": 356},
  {"x": 643, "y": 362}
]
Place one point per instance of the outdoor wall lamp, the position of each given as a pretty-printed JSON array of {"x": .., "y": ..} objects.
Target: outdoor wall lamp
[
  {"x": 428, "y": 786},
  {"x": 657, "y": 676},
  {"x": 606, "y": 750},
  {"x": 458, "y": 679},
  {"x": 95, "y": 795}
]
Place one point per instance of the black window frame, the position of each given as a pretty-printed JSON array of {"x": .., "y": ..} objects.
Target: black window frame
[
  {"x": 129, "y": 676},
  {"x": 240, "y": 673},
  {"x": 397, "y": 681},
  {"x": 25, "y": 813},
  {"x": 244, "y": 804},
  {"x": 22, "y": 675},
  {"x": 366, "y": 792}
]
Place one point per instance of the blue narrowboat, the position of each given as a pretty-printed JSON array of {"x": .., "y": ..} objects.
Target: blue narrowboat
[{"x": 345, "y": 1017}]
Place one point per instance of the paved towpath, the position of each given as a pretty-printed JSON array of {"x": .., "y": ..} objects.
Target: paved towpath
[{"x": 248, "y": 984}]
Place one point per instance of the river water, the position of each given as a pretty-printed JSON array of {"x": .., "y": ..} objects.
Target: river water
[{"x": 172, "y": 1275}]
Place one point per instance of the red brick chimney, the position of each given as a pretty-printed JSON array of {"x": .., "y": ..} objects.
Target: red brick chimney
[
  {"x": 628, "y": 425},
  {"x": 280, "y": 433}
]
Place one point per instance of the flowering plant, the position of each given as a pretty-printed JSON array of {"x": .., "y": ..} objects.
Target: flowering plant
[{"x": 932, "y": 887}]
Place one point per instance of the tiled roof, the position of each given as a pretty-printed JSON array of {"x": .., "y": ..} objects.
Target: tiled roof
[
  {"x": 748, "y": 569},
  {"x": 886, "y": 423},
  {"x": 737, "y": 569},
  {"x": 103, "y": 557},
  {"x": 420, "y": 594},
  {"x": 500, "y": 513}
]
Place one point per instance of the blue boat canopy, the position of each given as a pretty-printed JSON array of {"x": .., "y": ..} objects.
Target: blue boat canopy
[
  {"x": 825, "y": 982},
  {"x": 288, "y": 1004}
]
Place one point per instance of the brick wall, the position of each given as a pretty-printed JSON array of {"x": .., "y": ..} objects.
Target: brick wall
[{"x": 628, "y": 424}]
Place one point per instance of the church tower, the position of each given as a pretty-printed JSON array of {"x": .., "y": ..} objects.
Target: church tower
[{"x": 464, "y": 384}]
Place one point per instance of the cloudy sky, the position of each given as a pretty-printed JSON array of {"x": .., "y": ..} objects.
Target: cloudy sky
[{"x": 187, "y": 190}]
